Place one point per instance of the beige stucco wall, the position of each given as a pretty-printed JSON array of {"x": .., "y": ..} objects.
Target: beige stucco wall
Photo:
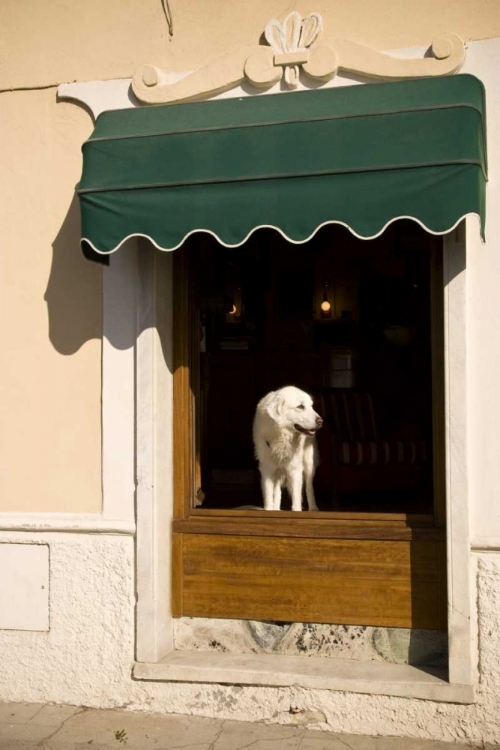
[
  {"x": 50, "y": 387},
  {"x": 50, "y": 325},
  {"x": 57, "y": 41}
]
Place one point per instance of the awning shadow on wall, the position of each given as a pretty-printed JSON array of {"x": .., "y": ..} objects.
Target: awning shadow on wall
[
  {"x": 74, "y": 294},
  {"x": 74, "y": 289}
]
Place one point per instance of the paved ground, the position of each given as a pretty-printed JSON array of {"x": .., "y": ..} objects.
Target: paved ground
[{"x": 26, "y": 726}]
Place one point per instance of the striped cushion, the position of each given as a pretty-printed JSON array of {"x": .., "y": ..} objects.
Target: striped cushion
[
  {"x": 350, "y": 415},
  {"x": 381, "y": 452}
]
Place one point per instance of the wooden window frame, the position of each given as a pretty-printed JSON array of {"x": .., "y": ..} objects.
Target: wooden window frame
[
  {"x": 286, "y": 523},
  {"x": 194, "y": 525}
]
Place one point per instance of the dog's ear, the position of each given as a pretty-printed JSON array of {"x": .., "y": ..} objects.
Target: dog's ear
[{"x": 276, "y": 407}]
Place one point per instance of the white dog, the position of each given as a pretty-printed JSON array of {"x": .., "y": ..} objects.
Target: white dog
[{"x": 283, "y": 433}]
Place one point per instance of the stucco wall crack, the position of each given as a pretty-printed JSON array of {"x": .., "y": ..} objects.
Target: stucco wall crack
[{"x": 29, "y": 88}]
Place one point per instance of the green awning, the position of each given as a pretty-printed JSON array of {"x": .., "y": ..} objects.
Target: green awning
[{"x": 361, "y": 156}]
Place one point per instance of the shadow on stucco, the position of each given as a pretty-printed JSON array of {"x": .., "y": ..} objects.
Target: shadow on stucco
[
  {"x": 74, "y": 289},
  {"x": 74, "y": 295}
]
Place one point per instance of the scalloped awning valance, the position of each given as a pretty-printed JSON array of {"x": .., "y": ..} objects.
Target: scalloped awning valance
[{"x": 361, "y": 156}]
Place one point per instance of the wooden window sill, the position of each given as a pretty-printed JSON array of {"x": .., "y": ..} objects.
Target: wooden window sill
[{"x": 395, "y": 526}]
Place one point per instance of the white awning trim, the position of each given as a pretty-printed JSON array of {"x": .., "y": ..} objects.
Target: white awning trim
[{"x": 280, "y": 231}]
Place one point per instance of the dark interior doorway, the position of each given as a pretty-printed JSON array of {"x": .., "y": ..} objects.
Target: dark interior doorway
[{"x": 346, "y": 320}]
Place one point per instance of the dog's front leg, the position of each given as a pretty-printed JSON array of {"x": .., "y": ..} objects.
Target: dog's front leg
[
  {"x": 309, "y": 469},
  {"x": 311, "y": 500},
  {"x": 277, "y": 496},
  {"x": 268, "y": 492},
  {"x": 295, "y": 489}
]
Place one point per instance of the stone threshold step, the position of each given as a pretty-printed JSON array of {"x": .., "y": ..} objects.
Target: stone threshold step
[{"x": 275, "y": 670}]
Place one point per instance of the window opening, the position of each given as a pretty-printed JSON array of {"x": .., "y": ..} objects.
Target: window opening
[{"x": 348, "y": 321}]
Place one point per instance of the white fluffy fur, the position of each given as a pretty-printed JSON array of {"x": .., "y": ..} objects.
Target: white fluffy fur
[{"x": 285, "y": 447}]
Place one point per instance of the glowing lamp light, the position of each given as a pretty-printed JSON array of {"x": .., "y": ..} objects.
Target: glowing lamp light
[
  {"x": 325, "y": 307},
  {"x": 235, "y": 307}
]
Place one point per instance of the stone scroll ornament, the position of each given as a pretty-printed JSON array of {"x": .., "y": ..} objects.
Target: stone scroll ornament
[{"x": 295, "y": 45}]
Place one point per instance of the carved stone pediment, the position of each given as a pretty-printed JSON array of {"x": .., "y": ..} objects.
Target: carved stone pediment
[{"x": 294, "y": 46}]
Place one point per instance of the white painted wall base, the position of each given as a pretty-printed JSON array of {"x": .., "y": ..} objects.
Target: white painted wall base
[
  {"x": 87, "y": 657},
  {"x": 24, "y": 587}
]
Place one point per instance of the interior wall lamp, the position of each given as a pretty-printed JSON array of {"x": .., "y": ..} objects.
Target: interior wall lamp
[
  {"x": 326, "y": 308},
  {"x": 234, "y": 314}
]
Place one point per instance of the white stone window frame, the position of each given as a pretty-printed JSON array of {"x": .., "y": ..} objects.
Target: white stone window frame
[
  {"x": 137, "y": 465},
  {"x": 137, "y": 410}
]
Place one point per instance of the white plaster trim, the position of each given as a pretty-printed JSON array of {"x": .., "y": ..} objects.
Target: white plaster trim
[
  {"x": 460, "y": 645},
  {"x": 103, "y": 96},
  {"x": 280, "y": 231},
  {"x": 137, "y": 462},
  {"x": 154, "y": 454},
  {"x": 294, "y": 48},
  {"x": 308, "y": 672},
  {"x": 153, "y": 514},
  {"x": 153, "y": 579},
  {"x": 80, "y": 523},
  {"x": 118, "y": 386},
  {"x": 97, "y": 96},
  {"x": 485, "y": 544}
]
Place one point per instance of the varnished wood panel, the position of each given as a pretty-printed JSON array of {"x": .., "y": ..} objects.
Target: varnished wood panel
[
  {"x": 306, "y": 527},
  {"x": 177, "y": 575},
  {"x": 438, "y": 381},
  {"x": 182, "y": 391},
  {"x": 381, "y": 583}
]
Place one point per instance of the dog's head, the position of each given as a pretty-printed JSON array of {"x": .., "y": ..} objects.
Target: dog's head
[{"x": 292, "y": 409}]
